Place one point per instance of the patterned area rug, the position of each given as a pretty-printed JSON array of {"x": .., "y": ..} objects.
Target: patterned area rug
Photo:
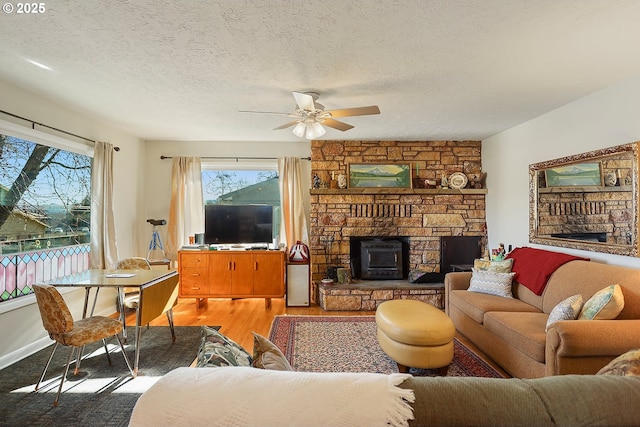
[{"x": 349, "y": 344}]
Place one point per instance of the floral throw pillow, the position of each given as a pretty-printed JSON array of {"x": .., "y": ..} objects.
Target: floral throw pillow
[
  {"x": 218, "y": 350},
  {"x": 567, "y": 309},
  {"x": 605, "y": 304},
  {"x": 489, "y": 282},
  {"x": 627, "y": 364}
]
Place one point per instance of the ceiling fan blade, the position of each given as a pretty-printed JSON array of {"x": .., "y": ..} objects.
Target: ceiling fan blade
[
  {"x": 287, "y": 125},
  {"x": 336, "y": 124},
  {"x": 304, "y": 101},
  {"x": 268, "y": 112},
  {"x": 358, "y": 111}
]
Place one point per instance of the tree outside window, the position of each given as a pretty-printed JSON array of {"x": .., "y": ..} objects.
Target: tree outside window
[{"x": 45, "y": 196}]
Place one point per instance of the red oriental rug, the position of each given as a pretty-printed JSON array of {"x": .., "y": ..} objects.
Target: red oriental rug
[{"x": 349, "y": 344}]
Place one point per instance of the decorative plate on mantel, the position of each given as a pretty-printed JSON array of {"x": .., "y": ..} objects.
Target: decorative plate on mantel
[{"x": 458, "y": 180}]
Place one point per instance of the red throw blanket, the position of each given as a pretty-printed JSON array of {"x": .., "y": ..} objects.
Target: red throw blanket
[{"x": 533, "y": 267}]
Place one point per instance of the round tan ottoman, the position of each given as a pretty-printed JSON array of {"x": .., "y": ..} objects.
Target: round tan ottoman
[{"x": 415, "y": 334}]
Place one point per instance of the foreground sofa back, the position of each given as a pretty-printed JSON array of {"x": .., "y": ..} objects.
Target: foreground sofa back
[
  {"x": 243, "y": 396},
  {"x": 567, "y": 400},
  {"x": 512, "y": 331}
]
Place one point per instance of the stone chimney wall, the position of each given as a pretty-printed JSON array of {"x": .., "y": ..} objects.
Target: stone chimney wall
[{"x": 421, "y": 214}]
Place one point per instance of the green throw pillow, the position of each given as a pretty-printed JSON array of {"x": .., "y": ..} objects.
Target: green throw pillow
[
  {"x": 605, "y": 304},
  {"x": 218, "y": 350}
]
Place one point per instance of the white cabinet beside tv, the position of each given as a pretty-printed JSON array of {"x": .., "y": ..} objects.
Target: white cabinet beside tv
[{"x": 298, "y": 284}]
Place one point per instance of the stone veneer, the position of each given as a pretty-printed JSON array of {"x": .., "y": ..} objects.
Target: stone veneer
[
  {"x": 368, "y": 295},
  {"x": 422, "y": 215}
]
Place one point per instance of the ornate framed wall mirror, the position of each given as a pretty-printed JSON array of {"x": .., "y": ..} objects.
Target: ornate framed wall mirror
[{"x": 588, "y": 201}]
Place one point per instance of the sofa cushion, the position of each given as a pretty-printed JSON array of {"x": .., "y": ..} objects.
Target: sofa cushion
[
  {"x": 605, "y": 304},
  {"x": 475, "y": 304},
  {"x": 266, "y": 355},
  {"x": 627, "y": 364},
  {"x": 489, "y": 282},
  {"x": 567, "y": 309},
  {"x": 218, "y": 350},
  {"x": 523, "y": 331}
]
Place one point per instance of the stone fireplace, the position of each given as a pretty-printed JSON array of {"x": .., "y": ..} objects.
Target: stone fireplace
[{"x": 418, "y": 217}]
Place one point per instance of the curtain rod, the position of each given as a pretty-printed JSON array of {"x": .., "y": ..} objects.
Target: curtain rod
[
  {"x": 236, "y": 158},
  {"x": 34, "y": 123}
]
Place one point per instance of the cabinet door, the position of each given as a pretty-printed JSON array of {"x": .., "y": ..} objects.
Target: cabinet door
[
  {"x": 242, "y": 271},
  {"x": 220, "y": 269},
  {"x": 269, "y": 274}
]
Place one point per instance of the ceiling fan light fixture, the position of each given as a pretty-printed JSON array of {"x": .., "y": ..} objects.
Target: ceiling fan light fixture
[
  {"x": 299, "y": 129},
  {"x": 318, "y": 129}
]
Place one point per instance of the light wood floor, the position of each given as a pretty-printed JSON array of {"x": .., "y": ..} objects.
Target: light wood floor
[{"x": 238, "y": 318}]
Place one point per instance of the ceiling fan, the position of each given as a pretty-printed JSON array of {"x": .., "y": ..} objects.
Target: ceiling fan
[{"x": 310, "y": 117}]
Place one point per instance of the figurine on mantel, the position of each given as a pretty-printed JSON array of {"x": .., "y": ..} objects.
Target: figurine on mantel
[
  {"x": 316, "y": 181},
  {"x": 443, "y": 181},
  {"x": 342, "y": 181}
]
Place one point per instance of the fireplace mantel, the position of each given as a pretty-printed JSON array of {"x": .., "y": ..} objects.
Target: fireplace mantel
[{"x": 324, "y": 191}]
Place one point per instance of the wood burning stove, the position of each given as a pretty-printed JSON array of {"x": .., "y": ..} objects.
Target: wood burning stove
[{"x": 381, "y": 259}]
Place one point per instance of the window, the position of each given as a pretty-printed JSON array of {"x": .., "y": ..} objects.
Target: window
[
  {"x": 45, "y": 209},
  {"x": 233, "y": 184}
]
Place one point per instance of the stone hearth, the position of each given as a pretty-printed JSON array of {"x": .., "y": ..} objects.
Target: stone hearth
[{"x": 367, "y": 295}]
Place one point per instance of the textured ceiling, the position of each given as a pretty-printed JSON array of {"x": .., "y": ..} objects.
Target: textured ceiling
[{"x": 181, "y": 70}]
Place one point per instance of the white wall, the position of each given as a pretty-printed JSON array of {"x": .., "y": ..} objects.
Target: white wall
[
  {"x": 21, "y": 329},
  {"x": 603, "y": 119},
  {"x": 157, "y": 195}
]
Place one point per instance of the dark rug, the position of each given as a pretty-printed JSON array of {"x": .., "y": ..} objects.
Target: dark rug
[
  {"x": 100, "y": 395},
  {"x": 349, "y": 344}
]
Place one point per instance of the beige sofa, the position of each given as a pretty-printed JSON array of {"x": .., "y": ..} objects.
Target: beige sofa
[{"x": 512, "y": 331}]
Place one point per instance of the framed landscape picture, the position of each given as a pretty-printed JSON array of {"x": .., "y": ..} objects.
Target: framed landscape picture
[
  {"x": 578, "y": 174},
  {"x": 380, "y": 175}
]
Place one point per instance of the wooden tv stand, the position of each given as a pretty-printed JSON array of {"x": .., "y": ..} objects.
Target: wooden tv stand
[{"x": 232, "y": 274}]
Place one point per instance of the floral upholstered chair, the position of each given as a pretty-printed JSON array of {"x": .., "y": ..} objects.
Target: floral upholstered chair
[
  {"x": 131, "y": 296},
  {"x": 57, "y": 320}
]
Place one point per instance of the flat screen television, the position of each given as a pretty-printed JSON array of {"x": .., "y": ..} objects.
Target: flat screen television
[{"x": 237, "y": 224}]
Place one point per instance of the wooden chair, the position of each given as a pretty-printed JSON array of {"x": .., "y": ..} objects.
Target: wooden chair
[
  {"x": 131, "y": 296},
  {"x": 57, "y": 320}
]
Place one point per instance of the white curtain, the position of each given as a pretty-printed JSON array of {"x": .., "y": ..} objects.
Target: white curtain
[
  {"x": 104, "y": 249},
  {"x": 293, "y": 226},
  {"x": 186, "y": 214}
]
